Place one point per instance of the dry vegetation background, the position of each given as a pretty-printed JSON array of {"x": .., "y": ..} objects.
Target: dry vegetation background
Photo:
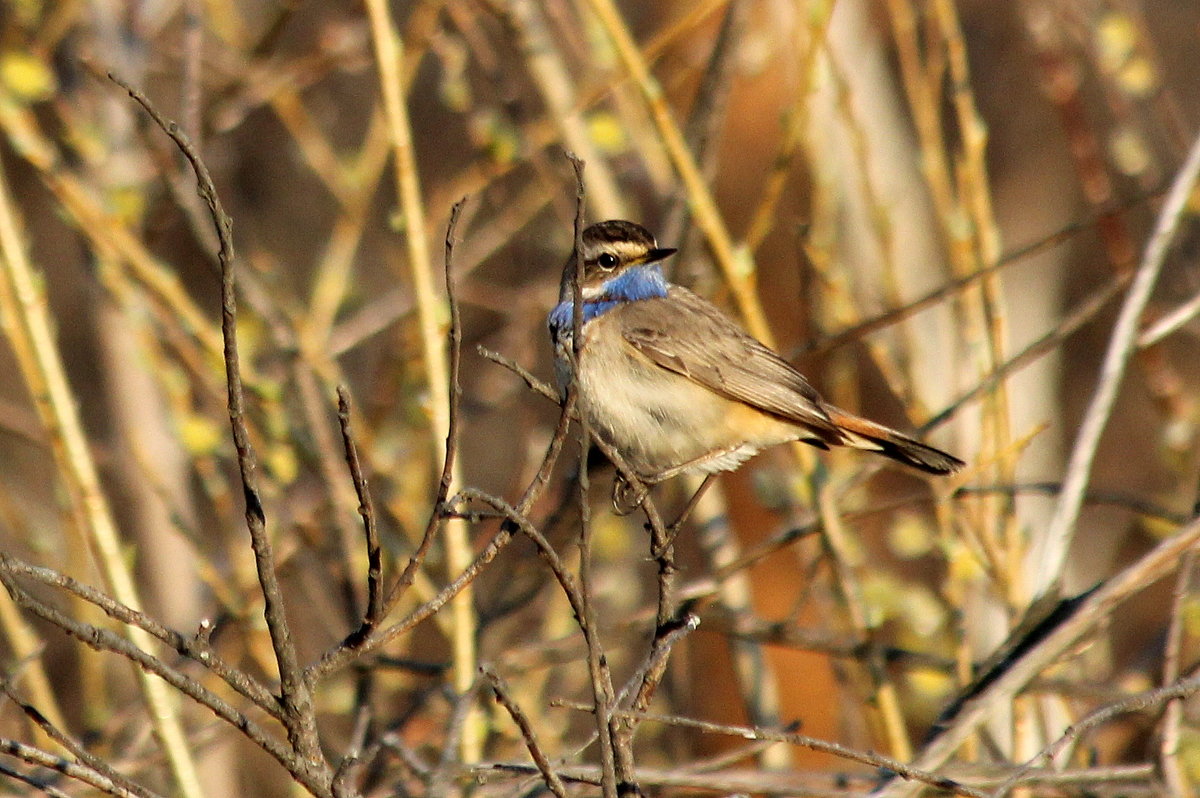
[{"x": 974, "y": 219}]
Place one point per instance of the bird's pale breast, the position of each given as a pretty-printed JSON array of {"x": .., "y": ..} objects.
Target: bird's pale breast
[{"x": 658, "y": 419}]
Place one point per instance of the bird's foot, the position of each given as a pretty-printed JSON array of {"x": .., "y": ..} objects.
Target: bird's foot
[{"x": 627, "y": 496}]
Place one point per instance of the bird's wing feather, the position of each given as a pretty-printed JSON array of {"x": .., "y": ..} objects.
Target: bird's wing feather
[{"x": 688, "y": 335}]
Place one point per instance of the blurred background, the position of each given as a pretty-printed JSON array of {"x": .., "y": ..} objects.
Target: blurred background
[{"x": 821, "y": 166}]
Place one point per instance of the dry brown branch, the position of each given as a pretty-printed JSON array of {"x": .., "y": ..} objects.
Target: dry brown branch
[
  {"x": 374, "y": 609},
  {"x": 504, "y": 696},
  {"x": 30, "y": 331},
  {"x": 1051, "y": 548},
  {"x": 1099, "y": 606},
  {"x": 195, "y": 648},
  {"x": 299, "y": 712},
  {"x": 81, "y": 773},
  {"x": 102, "y": 769}
]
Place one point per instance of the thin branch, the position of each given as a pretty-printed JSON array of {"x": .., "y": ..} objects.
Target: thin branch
[
  {"x": 1150, "y": 699},
  {"x": 1050, "y": 549},
  {"x": 1173, "y": 772},
  {"x": 956, "y": 286},
  {"x": 616, "y": 763},
  {"x": 81, "y": 773},
  {"x": 663, "y": 553},
  {"x": 540, "y": 387},
  {"x": 1126, "y": 780},
  {"x": 649, "y": 674},
  {"x": 1170, "y": 323},
  {"x": 619, "y": 755},
  {"x": 299, "y": 709},
  {"x": 527, "y": 732},
  {"x": 358, "y": 641},
  {"x": 1096, "y": 609},
  {"x": 443, "y": 776},
  {"x": 866, "y": 757},
  {"x": 194, "y": 648},
  {"x": 342, "y": 655},
  {"x": 88, "y": 759},
  {"x": 1084, "y": 312},
  {"x": 104, "y": 640},
  {"x": 572, "y": 590},
  {"x": 364, "y": 718},
  {"x": 374, "y": 611},
  {"x": 1097, "y": 497}
]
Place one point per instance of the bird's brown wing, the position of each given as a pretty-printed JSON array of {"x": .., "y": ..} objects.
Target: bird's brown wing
[{"x": 686, "y": 334}]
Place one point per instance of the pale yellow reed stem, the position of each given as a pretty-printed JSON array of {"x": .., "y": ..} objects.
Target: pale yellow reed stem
[
  {"x": 28, "y": 326},
  {"x": 432, "y": 319}
]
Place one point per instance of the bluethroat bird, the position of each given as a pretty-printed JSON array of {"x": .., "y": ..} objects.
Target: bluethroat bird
[{"x": 675, "y": 386}]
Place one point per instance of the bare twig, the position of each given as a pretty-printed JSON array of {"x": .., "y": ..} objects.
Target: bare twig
[
  {"x": 1170, "y": 323},
  {"x": 649, "y": 674},
  {"x": 443, "y": 776},
  {"x": 296, "y": 694},
  {"x": 88, "y": 759},
  {"x": 1141, "y": 702},
  {"x": 1126, "y": 780},
  {"x": 571, "y": 589},
  {"x": 956, "y": 286},
  {"x": 752, "y": 733},
  {"x": 663, "y": 553},
  {"x": 1066, "y": 327},
  {"x": 104, "y": 640},
  {"x": 364, "y": 717},
  {"x": 81, "y": 773},
  {"x": 1173, "y": 772},
  {"x": 519, "y": 717},
  {"x": 1098, "y": 606},
  {"x": 602, "y": 692},
  {"x": 29, "y": 328},
  {"x": 540, "y": 387},
  {"x": 194, "y": 648},
  {"x": 342, "y": 655},
  {"x": 1050, "y": 549},
  {"x": 374, "y": 610},
  {"x": 1126, "y": 501},
  {"x": 357, "y": 642}
]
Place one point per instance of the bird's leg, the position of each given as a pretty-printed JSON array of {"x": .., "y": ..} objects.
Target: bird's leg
[
  {"x": 696, "y": 464},
  {"x": 627, "y": 497}
]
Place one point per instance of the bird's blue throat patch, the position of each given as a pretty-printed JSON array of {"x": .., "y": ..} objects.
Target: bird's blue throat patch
[{"x": 639, "y": 282}]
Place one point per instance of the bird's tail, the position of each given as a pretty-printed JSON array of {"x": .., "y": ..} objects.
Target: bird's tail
[{"x": 862, "y": 434}]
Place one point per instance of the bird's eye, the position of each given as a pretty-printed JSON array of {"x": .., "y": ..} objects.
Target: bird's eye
[{"x": 607, "y": 261}]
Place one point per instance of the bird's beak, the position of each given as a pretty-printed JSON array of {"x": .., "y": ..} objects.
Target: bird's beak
[{"x": 657, "y": 255}]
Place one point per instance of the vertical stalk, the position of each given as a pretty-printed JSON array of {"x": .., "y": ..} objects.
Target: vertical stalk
[
  {"x": 23, "y": 306},
  {"x": 432, "y": 315}
]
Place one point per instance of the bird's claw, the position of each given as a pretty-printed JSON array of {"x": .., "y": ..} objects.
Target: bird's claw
[{"x": 627, "y": 496}]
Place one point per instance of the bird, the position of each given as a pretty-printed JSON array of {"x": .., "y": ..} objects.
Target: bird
[{"x": 675, "y": 386}]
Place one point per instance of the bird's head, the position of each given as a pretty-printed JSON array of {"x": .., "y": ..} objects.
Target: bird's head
[{"x": 610, "y": 249}]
